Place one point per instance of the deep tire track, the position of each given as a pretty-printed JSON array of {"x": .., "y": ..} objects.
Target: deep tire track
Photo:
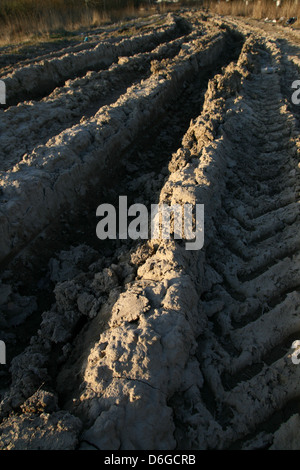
[
  {"x": 255, "y": 257},
  {"x": 37, "y": 80}
]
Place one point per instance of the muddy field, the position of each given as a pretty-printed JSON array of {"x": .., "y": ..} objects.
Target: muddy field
[{"x": 136, "y": 344}]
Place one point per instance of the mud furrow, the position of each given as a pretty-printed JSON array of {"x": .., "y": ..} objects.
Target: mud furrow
[
  {"x": 76, "y": 322},
  {"x": 68, "y": 105},
  {"x": 264, "y": 278},
  {"x": 39, "y": 79},
  {"x": 46, "y": 51},
  {"x": 96, "y": 143},
  {"x": 147, "y": 345}
]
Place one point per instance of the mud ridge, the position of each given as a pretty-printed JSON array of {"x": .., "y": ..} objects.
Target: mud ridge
[{"x": 39, "y": 79}]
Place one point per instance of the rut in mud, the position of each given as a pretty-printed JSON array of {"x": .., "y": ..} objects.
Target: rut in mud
[
  {"x": 137, "y": 345},
  {"x": 250, "y": 384}
]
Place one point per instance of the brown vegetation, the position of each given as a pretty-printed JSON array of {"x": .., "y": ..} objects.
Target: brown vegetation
[
  {"x": 34, "y": 20},
  {"x": 257, "y": 9}
]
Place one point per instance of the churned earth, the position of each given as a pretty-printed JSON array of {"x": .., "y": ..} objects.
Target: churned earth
[{"x": 144, "y": 344}]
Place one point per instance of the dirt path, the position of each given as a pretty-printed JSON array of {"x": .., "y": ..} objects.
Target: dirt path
[{"x": 131, "y": 345}]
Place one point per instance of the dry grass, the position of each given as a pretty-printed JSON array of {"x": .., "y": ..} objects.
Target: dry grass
[
  {"x": 32, "y": 21},
  {"x": 257, "y": 9}
]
